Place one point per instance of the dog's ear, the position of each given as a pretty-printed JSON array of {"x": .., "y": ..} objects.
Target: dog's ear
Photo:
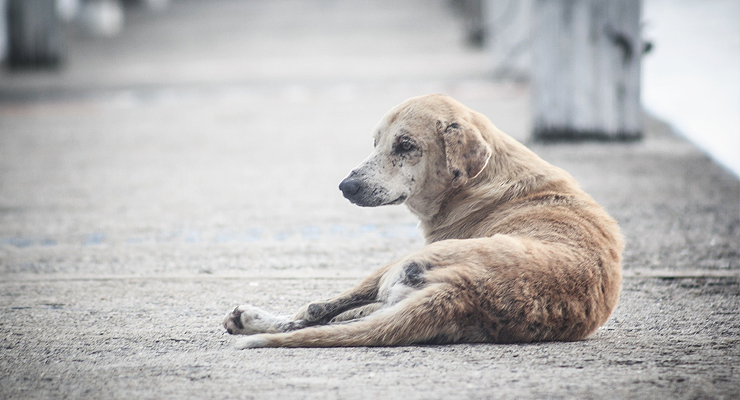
[{"x": 466, "y": 151}]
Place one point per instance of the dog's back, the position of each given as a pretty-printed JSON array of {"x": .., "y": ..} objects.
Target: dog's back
[{"x": 563, "y": 280}]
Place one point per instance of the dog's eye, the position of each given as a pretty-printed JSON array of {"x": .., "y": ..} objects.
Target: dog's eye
[{"x": 405, "y": 146}]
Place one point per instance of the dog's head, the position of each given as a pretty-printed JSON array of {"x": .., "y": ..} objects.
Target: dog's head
[{"x": 423, "y": 147}]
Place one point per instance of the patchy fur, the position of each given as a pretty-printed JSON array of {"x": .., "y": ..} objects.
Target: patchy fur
[{"x": 516, "y": 251}]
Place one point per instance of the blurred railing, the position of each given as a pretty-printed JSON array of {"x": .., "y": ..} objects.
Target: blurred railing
[{"x": 33, "y": 33}]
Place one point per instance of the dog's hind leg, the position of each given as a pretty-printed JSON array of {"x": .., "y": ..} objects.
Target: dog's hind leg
[
  {"x": 364, "y": 294},
  {"x": 359, "y": 312},
  {"x": 435, "y": 314}
]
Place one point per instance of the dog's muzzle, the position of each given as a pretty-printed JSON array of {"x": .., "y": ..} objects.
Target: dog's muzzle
[
  {"x": 350, "y": 188},
  {"x": 359, "y": 192}
]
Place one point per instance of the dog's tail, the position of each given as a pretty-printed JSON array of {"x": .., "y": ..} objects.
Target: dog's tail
[{"x": 429, "y": 315}]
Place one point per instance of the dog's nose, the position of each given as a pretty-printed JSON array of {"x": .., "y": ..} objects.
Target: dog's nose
[{"x": 349, "y": 187}]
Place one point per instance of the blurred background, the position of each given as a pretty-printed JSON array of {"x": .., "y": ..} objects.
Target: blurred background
[
  {"x": 127, "y": 122},
  {"x": 692, "y": 80}
]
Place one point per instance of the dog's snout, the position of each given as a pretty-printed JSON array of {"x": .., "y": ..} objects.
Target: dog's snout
[{"x": 349, "y": 187}]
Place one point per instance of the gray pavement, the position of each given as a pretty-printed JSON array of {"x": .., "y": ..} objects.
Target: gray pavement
[{"x": 191, "y": 164}]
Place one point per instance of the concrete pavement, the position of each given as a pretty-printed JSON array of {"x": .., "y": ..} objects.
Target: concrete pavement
[{"x": 191, "y": 164}]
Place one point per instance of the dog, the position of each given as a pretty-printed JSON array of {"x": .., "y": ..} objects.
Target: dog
[{"x": 516, "y": 251}]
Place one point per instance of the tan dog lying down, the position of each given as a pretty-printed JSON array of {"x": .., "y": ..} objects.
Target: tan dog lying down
[{"x": 516, "y": 251}]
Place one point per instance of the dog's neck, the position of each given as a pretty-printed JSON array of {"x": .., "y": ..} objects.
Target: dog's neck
[{"x": 513, "y": 172}]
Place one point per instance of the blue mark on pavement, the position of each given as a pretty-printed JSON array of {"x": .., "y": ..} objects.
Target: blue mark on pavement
[
  {"x": 281, "y": 236},
  {"x": 48, "y": 242},
  {"x": 310, "y": 232},
  {"x": 192, "y": 237},
  {"x": 18, "y": 242},
  {"x": 248, "y": 235},
  {"x": 338, "y": 230},
  {"x": 94, "y": 239},
  {"x": 367, "y": 228}
]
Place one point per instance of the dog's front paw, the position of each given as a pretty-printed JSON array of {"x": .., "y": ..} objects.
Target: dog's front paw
[
  {"x": 247, "y": 320},
  {"x": 252, "y": 342}
]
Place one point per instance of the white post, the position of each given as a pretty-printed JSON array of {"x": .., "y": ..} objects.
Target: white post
[
  {"x": 586, "y": 69},
  {"x": 509, "y": 31}
]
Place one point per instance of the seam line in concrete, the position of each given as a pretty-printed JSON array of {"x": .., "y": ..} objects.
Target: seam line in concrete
[{"x": 630, "y": 274}]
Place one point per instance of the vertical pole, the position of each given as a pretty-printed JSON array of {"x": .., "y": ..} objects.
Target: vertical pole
[
  {"x": 586, "y": 69},
  {"x": 509, "y": 23},
  {"x": 35, "y": 33}
]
